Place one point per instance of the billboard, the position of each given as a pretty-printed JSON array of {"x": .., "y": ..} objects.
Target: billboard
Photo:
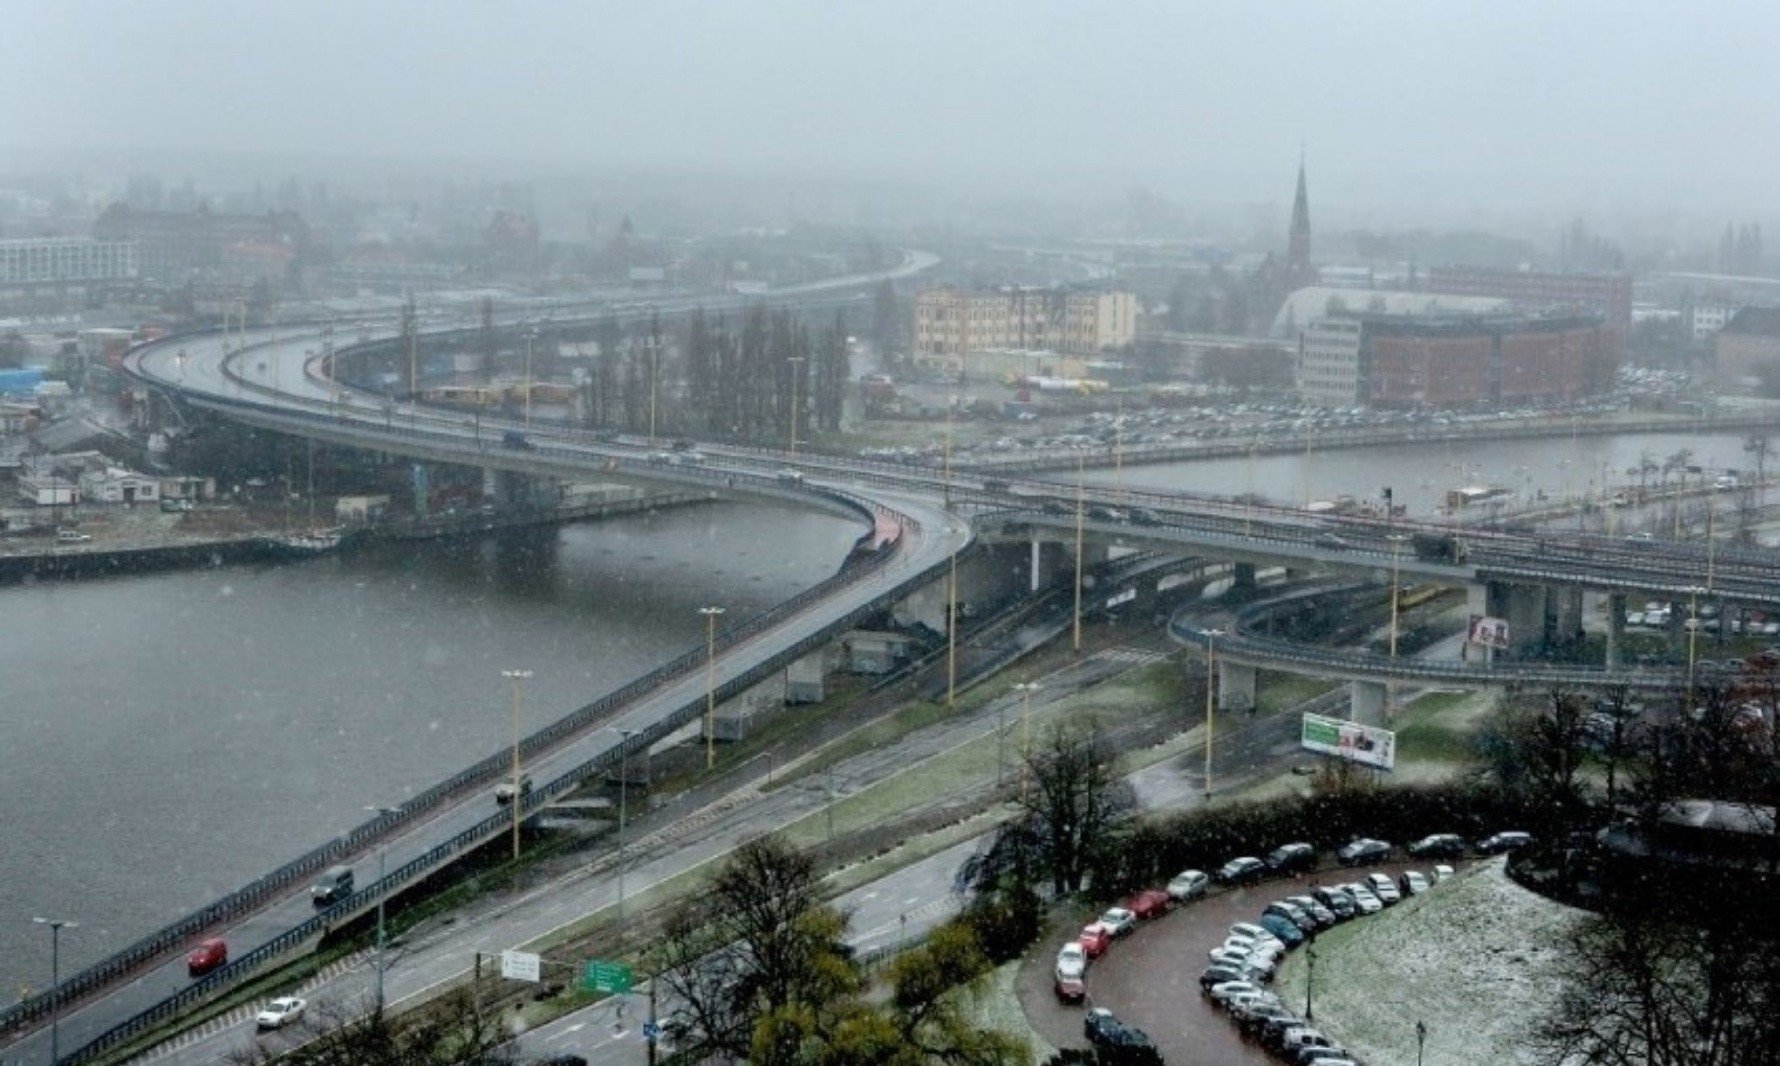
[
  {"x": 1364, "y": 744},
  {"x": 1488, "y": 631}
]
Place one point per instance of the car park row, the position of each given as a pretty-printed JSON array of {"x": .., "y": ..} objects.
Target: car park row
[{"x": 1244, "y": 964}]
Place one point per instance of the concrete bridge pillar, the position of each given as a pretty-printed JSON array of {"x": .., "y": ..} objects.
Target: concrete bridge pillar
[
  {"x": 1033, "y": 566},
  {"x": 1523, "y": 607},
  {"x": 1236, "y": 686},
  {"x": 1615, "y": 627},
  {"x": 1565, "y": 611},
  {"x": 1366, "y": 702},
  {"x": 1242, "y": 579},
  {"x": 420, "y": 478}
]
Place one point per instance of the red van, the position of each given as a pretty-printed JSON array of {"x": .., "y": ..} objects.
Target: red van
[{"x": 207, "y": 956}]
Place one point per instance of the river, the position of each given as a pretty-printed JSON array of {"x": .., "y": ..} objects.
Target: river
[
  {"x": 1420, "y": 475},
  {"x": 166, "y": 738}
]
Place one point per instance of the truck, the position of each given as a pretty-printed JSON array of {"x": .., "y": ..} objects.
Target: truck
[
  {"x": 513, "y": 438},
  {"x": 1438, "y": 547}
]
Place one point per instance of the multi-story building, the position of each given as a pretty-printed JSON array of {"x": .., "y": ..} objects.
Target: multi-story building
[
  {"x": 1747, "y": 349},
  {"x": 1443, "y": 360},
  {"x": 1607, "y": 295},
  {"x": 952, "y": 322},
  {"x": 175, "y": 246},
  {"x": 33, "y": 270}
]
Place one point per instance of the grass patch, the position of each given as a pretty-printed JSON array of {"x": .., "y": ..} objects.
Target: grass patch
[
  {"x": 917, "y": 715},
  {"x": 1276, "y": 692},
  {"x": 1438, "y": 727},
  {"x": 995, "y": 1007}
]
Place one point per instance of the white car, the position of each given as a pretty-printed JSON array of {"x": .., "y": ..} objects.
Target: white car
[
  {"x": 1442, "y": 872},
  {"x": 1221, "y": 993},
  {"x": 1119, "y": 920},
  {"x": 1252, "y": 931},
  {"x": 1363, "y": 898},
  {"x": 1384, "y": 888},
  {"x": 1072, "y": 961},
  {"x": 1230, "y": 955},
  {"x": 280, "y": 1013},
  {"x": 1188, "y": 884}
]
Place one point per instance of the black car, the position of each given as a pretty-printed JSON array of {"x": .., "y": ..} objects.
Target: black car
[
  {"x": 1498, "y": 843},
  {"x": 1273, "y": 1031},
  {"x": 1298, "y": 916},
  {"x": 1242, "y": 871},
  {"x": 1363, "y": 850},
  {"x": 1217, "y": 975},
  {"x": 1438, "y": 846},
  {"x": 1289, "y": 857},
  {"x": 1283, "y": 929},
  {"x": 1104, "y": 1030},
  {"x": 1252, "y": 1021},
  {"x": 1336, "y": 900}
]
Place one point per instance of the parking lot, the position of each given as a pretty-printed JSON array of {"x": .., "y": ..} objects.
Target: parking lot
[{"x": 1150, "y": 978}]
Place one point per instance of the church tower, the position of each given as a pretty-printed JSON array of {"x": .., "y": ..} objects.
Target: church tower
[{"x": 1299, "y": 272}]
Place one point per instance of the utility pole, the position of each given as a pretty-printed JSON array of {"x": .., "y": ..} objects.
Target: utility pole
[
  {"x": 1211, "y": 701},
  {"x": 56, "y": 925},
  {"x": 517, "y": 677},
  {"x": 1080, "y": 515},
  {"x": 711, "y": 615}
]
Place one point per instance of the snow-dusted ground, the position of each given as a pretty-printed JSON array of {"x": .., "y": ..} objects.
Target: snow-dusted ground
[{"x": 1474, "y": 959}]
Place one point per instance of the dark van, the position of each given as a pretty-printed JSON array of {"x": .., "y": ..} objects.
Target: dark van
[{"x": 334, "y": 885}]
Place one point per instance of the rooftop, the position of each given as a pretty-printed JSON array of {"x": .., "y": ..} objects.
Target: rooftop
[{"x": 1755, "y": 322}]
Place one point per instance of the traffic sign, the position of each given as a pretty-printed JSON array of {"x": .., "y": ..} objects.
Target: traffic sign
[
  {"x": 521, "y": 966},
  {"x": 600, "y": 975},
  {"x": 651, "y": 1031}
]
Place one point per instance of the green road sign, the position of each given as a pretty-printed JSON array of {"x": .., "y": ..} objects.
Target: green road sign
[{"x": 599, "y": 975}]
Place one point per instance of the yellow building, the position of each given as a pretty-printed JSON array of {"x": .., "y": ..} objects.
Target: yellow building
[{"x": 952, "y": 322}]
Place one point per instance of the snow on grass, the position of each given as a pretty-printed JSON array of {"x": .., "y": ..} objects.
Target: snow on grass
[
  {"x": 997, "y": 1007},
  {"x": 1475, "y": 959}
]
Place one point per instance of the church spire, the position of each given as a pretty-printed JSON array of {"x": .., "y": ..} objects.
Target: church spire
[{"x": 1298, "y": 267}]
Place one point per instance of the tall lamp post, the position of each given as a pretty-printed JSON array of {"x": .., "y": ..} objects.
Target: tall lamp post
[
  {"x": 382, "y": 939},
  {"x": 517, "y": 677},
  {"x": 1309, "y": 981},
  {"x": 1080, "y": 515},
  {"x": 711, "y": 615},
  {"x": 623, "y": 806},
  {"x": 1211, "y": 700},
  {"x": 1421, "y": 1039},
  {"x": 1396, "y": 539},
  {"x": 796, "y": 362},
  {"x": 530, "y": 336},
  {"x": 56, "y": 925},
  {"x": 1025, "y": 689}
]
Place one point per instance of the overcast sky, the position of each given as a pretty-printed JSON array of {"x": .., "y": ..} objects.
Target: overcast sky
[{"x": 1549, "y": 104}]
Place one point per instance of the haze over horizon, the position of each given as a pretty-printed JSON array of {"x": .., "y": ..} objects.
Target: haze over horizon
[{"x": 1406, "y": 110}]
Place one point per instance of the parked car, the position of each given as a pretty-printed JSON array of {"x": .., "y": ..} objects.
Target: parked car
[
  {"x": 1284, "y": 928},
  {"x": 1104, "y": 1030},
  {"x": 1497, "y": 843},
  {"x": 1442, "y": 872},
  {"x": 1251, "y": 931},
  {"x": 1095, "y": 939},
  {"x": 1384, "y": 888},
  {"x": 1313, "y": 1053},
  {"x": 1072, "y": 960},
  {"x": 1253, "y": 1021},
  {"x": 280, "y": 1013},
  {"x": 1293, "y": 913},
  {"x": 1118, "y": 920},
  {"x": 1227, "y": 954},
  {"x": 1242, "y": 871},
  {"x": 1216, "y": 974},
  {"x": 1150, "y": 903},
  {"x": 207, "y": 956},
  {"x": 1302, "y": 1038},
  {"x": 1188, "y": 884},
  {"x": 1364, "y": 899},
  {"x": 1438, "y": 846},
  {"x": 1069, "y": 989},
  {"x": 1319, "y": 912},
  {"x": 1337, "y": 900},
  {"x": 1413, "y": 882},
  {"x": 1363, "y": 850},
  {"x": 1222, "y": 993},
  {"x": 1289, "y": 857}
]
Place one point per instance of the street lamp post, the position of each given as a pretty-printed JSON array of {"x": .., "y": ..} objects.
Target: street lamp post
[
  {"x": 796, "y": 362},
  {"x": 517, "y": 677},
  {"x": 1396, "y": 539},
  {"x": 382, "y": 939},
  {"x": 1211, "y": 699},
  {"x": 711, "y": 615},
  {"x": 56, "y": 925},
  {"x": 1421, "y": 1039},
  {"x": 623, "y": 805},
  {"x": 1309, "y": 981},
  {"x": 1080, "y": 512},
  {"x": 1025, "y": 689},
  {"x": 530, "y": 336}
]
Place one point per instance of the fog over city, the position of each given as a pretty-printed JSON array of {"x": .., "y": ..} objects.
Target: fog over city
[
  {"x": 1442, "y": 112},
  {"x": 889, "y": 533}
]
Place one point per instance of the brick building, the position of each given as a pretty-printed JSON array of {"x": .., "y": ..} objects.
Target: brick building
[{"x": 1607, "y": 295}]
